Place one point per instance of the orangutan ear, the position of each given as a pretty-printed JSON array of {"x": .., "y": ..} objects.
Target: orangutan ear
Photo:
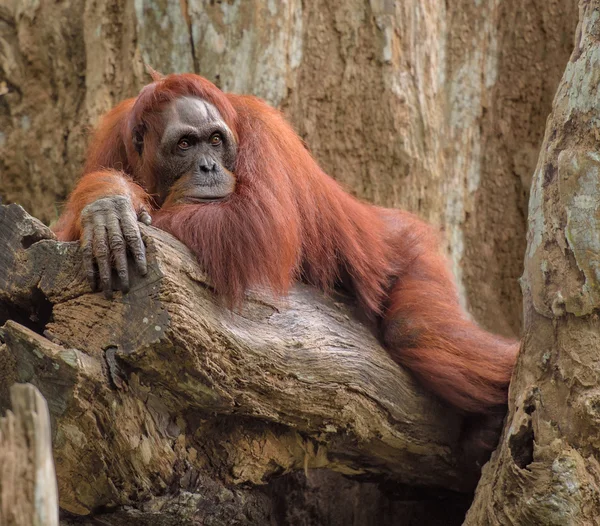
[{"x": 138, "y": 138}]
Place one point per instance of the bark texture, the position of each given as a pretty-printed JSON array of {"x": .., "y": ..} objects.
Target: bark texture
[
  {"x": 546, "y": 470},
  {"x": 162, "y": 401},
  {"x": 432, "y": 106}
]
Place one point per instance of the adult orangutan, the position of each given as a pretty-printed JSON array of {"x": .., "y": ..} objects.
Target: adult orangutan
[{"x": 227, "y": 175}]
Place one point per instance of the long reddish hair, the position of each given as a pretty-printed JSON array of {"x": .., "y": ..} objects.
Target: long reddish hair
[{"x": 287, "y": 220}]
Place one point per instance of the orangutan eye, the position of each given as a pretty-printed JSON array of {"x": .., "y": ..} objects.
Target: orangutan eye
[
  {"x": 216, "y": 139},
  {"x": 184, "y": 144}
]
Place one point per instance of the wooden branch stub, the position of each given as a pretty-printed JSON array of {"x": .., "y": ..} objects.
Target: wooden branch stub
[
  {"x": 164, "y": 382},
  {"x": 28, "y": 493}
]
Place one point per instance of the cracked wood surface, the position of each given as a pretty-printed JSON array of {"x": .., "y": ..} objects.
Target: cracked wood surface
[{"x": 154, "y": 388}]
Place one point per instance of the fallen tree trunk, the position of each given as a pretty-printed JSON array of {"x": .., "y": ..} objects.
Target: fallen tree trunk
[{"x": 164, "y": 391}]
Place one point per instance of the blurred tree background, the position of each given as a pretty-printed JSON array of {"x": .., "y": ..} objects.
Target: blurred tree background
[{"x": 434, "y": 106}]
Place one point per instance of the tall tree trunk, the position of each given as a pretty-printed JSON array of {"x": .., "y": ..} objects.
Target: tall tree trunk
[{"x": 546, "y": 470}]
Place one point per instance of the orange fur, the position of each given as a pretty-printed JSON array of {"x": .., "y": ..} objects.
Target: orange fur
[{"x": 288, "y": 220}]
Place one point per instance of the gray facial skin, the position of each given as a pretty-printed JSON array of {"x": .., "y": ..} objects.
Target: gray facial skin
[{"x": 196, "y": 154}]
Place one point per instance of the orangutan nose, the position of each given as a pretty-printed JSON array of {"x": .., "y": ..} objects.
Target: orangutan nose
[{"x": 207, "y": 164}]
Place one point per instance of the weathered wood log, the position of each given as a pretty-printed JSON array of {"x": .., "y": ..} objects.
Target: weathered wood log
[
  {"x": 28, "y": 495},
  {"x": 159, "y": 388}
]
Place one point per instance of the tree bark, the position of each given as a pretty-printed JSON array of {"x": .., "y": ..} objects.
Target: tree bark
[
  {"x": 434, "y": 106},
  {"x": 546, "y": 470},
  {"x": 163, "y": 390}
]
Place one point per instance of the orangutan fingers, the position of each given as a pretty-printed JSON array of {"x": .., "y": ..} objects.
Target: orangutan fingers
[
  {"x": 144, "y": 216},
  {"x": 110, "y": 230},
  {"x": 133, "y": 238},
  {"x": 118, "y": 250},
  {"x": 102, "y": 255}
]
